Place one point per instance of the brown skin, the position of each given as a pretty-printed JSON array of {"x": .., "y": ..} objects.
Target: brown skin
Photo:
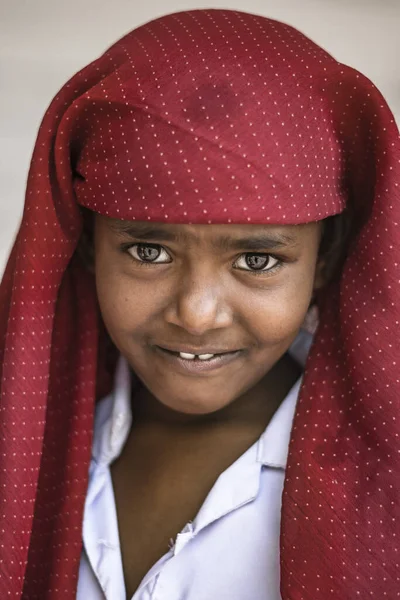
[
  {"x": 199, "y": 298},
  {"x": 187, "y": 429}
]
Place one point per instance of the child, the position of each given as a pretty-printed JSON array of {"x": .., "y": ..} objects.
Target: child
[{"x": 192, "y": 194}]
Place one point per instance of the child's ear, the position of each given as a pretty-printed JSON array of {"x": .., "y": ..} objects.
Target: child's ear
[
  {"x": 85, "y": 247},
  {"x": 320, "y": 277},
  {"x": 85, "y": 251}
]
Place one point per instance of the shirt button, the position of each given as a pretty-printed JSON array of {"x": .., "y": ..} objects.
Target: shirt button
[{"x": 188, "y": 527}]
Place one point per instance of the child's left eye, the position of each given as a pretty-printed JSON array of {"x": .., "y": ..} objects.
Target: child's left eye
[{"x": 256, "y": 263}]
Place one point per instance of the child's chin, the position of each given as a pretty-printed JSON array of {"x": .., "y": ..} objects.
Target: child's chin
[{"x": 194, "y": 407}]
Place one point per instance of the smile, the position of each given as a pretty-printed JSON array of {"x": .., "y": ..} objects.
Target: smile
[
  {"x": 189, "y": 356},
  {"x": 192, "y": 363}
]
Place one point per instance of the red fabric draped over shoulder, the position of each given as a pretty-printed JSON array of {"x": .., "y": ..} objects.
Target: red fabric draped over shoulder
[{"x": 209, "y": 116}]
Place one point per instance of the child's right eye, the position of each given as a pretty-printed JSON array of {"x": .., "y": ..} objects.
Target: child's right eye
[{"x": 147, "y": 254}]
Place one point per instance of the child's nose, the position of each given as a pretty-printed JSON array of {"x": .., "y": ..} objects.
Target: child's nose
[{"x": 200, "y": 304}]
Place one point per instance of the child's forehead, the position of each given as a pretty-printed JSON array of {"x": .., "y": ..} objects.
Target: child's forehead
[{"x": 221, "y": 233}]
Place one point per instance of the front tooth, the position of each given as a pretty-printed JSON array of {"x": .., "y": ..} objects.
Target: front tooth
[
  {"x": 187, "y": 355},
  {"x": 205, "y": 356}
]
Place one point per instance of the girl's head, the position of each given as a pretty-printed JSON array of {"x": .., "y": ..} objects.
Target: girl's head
[
  {"x": 199, "y": 289},
  {"x": 211, "y": 126},
  {"x": 210, "y": 289}
]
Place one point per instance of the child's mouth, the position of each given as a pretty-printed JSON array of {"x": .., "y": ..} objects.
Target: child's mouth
[
  {"x": 191, "y": 363},
  {"x": 188, "y": 356}
]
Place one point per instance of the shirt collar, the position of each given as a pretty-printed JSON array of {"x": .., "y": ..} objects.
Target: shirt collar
[
  {"x": 113, "y": 417},
  {"x": 273, "y": 445}
]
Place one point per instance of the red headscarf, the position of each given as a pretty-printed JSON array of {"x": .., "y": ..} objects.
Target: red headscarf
[{"x": 209, "y": 116}]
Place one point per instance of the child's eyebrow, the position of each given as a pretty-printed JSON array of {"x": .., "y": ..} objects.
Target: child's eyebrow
[{"x": 259, "y": 241}]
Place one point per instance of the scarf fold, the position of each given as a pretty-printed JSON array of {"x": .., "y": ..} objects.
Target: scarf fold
[{"x": 209, "y": 116}]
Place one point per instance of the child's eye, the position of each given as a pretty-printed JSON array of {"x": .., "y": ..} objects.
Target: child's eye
[
  {"x": 258, "y": 263},
  {"x": 148, "y": 253}
]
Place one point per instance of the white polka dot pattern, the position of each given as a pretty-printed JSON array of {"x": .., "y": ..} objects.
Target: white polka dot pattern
[{"x": 209, "y": 116}]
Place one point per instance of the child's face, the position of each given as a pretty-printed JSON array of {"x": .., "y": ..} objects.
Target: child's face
[{"x": 196, "y": 293}]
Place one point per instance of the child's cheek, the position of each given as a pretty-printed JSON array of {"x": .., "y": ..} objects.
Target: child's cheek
[{"x": 276, "y": 314}]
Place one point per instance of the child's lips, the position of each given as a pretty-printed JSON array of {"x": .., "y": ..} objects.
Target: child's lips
[
  {"x": 176, "y": 348},
  {"x": 197, "y": 366}
]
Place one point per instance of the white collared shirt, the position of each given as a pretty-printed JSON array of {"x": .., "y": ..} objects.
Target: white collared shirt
[{"x": 230, "y": 550}]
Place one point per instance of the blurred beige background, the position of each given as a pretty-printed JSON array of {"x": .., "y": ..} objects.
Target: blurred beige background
[{"x": 44, "y": 42}]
